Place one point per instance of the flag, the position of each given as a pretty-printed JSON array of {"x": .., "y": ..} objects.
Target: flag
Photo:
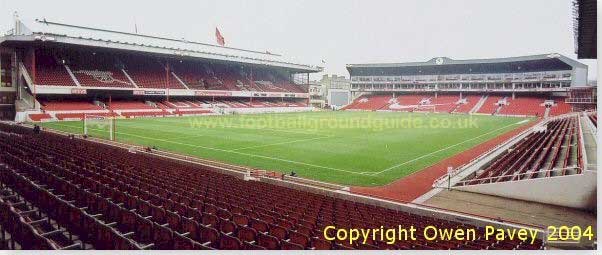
[{"x": 219, "y": 38}]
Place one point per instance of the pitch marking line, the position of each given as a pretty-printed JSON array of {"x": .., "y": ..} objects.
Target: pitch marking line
[
  {"x": 222, "y": 125},
  {"x": 287, "y": 142},
  {"x": 444, "y": 149},
  {"x": 130, "y": 125},
  {"x": 235, "y": 152}
]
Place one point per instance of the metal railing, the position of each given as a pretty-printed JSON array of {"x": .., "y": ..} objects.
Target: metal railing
[{"x": 519, "y": 176}]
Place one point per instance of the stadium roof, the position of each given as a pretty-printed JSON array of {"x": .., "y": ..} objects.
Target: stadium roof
[
  {"x": 47, "y": 31},
  {"x": 585, "y": 12},
  {"x": 445, "y": 65}
]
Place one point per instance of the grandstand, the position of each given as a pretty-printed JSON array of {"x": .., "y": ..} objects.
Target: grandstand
[
  {"x": 534, "y": 85},
  {"x": 67, "y": 71}
]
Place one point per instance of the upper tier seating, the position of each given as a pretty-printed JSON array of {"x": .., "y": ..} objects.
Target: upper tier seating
[
  {"x": 537, "y": 155},
  {"x": 96, "y": 71},
  {"x": 532, "y": 106},
  {"x": 134, "y": 201},
  {"x": 149, "y": 73},
  {"x": 50, "y": 72},
  {"x": 197, "y": 76}
]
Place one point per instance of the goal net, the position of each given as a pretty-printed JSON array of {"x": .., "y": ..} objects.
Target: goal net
[{"x": 99, "y": 126}]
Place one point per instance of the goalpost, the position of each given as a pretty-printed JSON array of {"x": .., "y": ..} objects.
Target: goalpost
[{"x": 101, "y": 125}]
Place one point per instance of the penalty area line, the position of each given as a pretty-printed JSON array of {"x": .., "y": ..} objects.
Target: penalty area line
[{"x": 287, "y": 142}]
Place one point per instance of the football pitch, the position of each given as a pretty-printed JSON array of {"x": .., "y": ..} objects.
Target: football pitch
[{"x": 349, "y": 148}]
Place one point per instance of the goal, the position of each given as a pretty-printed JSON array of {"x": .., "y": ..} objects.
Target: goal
[{"x": 101, "y": 126}]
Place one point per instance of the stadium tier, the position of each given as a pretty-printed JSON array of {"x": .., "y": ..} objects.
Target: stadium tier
[
  {"x": 538, "y": 155},
  {"x": 55, "y": 62},
  {"x": 77, "y": 109},
  {"x": 446, "y": 103},
  {"x": 468, "y": 103},
  {"x": 490, "y": 105},
  {"x": 94, "y": 70},
  {"x": 535, "y": 85},
  {"x": 67, "y": 196},
  {"x": 545, "y": 73}
]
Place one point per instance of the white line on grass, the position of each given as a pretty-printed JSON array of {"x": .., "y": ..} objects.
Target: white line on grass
[
  {"x": 440, "y": 150},
  {"x": 287, "y": 142},
  {"x": 231, "y": 151},
  {"x": 216, "y": 125}
]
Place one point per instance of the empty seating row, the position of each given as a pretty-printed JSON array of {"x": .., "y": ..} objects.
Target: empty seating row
[
  {"x": 131, "y": 201},
  {"x": 551, "y": 152},
  {"x": 49, "y": 71},
  {"x": 68, "y": 105},
  {"x": 371, "y": 102},
  {"x": 532, "y": 106},
  {"x": 529, "y": 105},
  {"x": 560, "y": 108},
  {"x": 26, "y": 226},
  {"x": 471, "y": 102},
  {"x": 76, "y": 109},
  {"x": 91, "y": 69},
  {"x": 490, "y": 105}
]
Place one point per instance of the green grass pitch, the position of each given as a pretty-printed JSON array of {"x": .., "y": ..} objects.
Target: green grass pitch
[{"x": 349, "y": 148}]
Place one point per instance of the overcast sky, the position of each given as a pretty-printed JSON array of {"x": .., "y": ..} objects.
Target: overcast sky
[{"x": 338, "y": 32}]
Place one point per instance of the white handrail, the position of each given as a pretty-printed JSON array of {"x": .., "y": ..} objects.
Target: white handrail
[{"x": 513, "y": 176}]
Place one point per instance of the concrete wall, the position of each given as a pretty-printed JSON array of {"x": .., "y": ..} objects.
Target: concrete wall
[
  {"x": 579, "y": 78},
  {"x": 577, "y": 191}
]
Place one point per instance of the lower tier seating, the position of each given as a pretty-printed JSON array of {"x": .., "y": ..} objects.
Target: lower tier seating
[
  {"x": 552, "y": 152},
  {"x": 471, "y": 101},
  {"x": 490, "y": 105},
  {"x": 521, "y": 105},
  {"x": 371, "y": 102},
  {"x": 40, "y": 116},
  {"x": 113, "y": 199},
  {"x": 560, "y": 107},
  {"x": 532, "y": 106},
  {"x": 67, "y": 105},
  {"x": 26, "y": 224}
]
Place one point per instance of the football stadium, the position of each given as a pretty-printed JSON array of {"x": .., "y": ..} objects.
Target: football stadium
[{"x": 113, "y": 140}]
